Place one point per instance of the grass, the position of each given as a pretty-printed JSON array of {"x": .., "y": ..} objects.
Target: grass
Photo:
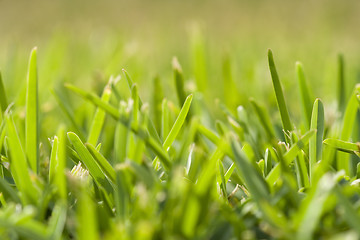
[{"x": 174, "y": 169}]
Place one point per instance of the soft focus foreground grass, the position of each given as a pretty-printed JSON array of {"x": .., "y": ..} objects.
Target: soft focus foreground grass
[{"x": 104, "y": 135}]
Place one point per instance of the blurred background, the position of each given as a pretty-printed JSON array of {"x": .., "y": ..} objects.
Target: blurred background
[{"x": 84, "y": 42}]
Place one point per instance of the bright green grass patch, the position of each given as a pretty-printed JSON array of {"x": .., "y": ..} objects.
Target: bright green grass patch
[{"x": 182, "y": 167}]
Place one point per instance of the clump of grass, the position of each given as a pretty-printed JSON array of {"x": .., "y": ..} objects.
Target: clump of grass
[{"x": 174, "y": 176}]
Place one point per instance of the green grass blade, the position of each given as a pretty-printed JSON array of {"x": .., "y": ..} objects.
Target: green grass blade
[
  {"x": 99, "y": 118},
  {"x": 285, "y": 118},
  {"x": 32, "y": 114},
  {"x": 315, "y": 144},
  {"x": 229, "y": 172},
  {"x": 57, "y": 222},
  {"x": 3, "y": 99},
  {"x": 165, "y": 115},
  {"x": 121, "y": 137},
  {"x": 53, "y": 160},
  {"x": 122, "y": 198},
  {"x": 350, "y": 115},
  {"x": 268, "y": 162},
  {"x": 178, "y": 122},
  {"x": 341, "y": 83},
  {"x": 18, "y": 164},
  {"x": 179, "y": 81},
  {"x": 88, "y": 160},
  {"x": 59, "y": 178},
  {"x": 205, "y": 180},
  {"x": 299, "y": 145},
  {"x": 95, "y": 100},
  {"x": 136, "y": 104},
  {"x": 344, "y": 146},
  {"x": 157, "y": 98},
  {"x": 230, "y": 90},
  {"x": 347, "y": 128},
  {"x": 222, "y": 182},
  {"x": 102, "y": 162},
  {"x": 86, "y": 215},
  {"x": 199, "y": 60},
  {"x": 305, "y": 95}
]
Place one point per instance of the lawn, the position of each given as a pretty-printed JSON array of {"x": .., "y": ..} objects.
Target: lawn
[{"x": 174, "y": 125}]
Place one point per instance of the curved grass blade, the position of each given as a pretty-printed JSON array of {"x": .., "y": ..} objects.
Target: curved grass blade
[
  {"x": 315, "y": 143},
  {"x": 306, "y": 100},
  {"x": 32, "y": 114},
  {"x": 102, "y": 162},
  {"x": 285, "y": 118},
  {"x": 18, "y": 164},
  {"x": 88, "y": 160}
]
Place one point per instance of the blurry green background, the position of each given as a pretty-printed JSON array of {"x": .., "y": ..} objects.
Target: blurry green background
[{"x": 84, "y": 42}]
